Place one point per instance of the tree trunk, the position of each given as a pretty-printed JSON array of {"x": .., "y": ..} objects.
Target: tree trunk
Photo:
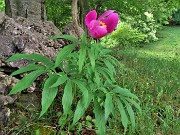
[
  {"x": 84, "y": 9},
  {"x": 31, "y": 9},
  {"x": 75, "y": 18}
]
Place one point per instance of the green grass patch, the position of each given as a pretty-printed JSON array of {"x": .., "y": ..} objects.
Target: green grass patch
[{"x": 153, "y": 73}]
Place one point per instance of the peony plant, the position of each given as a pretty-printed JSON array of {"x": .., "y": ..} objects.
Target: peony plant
[{"x": 87, "y": 76}]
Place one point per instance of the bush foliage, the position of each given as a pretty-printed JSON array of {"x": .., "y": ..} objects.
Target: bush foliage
[
  {"x": 125, "y": 36},
  {"x": 176, "y": 17},
  {"x": 2, "y": 5}
]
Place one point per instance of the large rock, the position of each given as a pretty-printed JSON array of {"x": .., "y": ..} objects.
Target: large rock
[
  {"x": 28, "y": 37},
  {"x": 22, "y": 36},
  {"x": 6, "y": 84}
]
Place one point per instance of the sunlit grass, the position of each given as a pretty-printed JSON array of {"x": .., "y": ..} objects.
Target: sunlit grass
[{"x": 153, "y": 73}]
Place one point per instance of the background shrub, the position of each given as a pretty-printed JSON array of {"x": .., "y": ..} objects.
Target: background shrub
[
  {"x": 147, "y": 25},
  {"x": 59, "y": 11},
  {"x": 125, "y": 36},
  {"x": 2, "y": 5},
  {"x": 176, "y": 17}
]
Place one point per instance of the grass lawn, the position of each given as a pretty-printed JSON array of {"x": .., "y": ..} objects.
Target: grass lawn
[{"x": 153, "y": 73}]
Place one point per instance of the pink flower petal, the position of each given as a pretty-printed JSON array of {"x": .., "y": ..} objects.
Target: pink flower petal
[
  {"x": 111, "y": 22},
  {"x": 92, "y": 15},
  {"x": 98, "y": 32},
  {"x": 105, "y": 14},
  {"x": 93, "y": 24}
]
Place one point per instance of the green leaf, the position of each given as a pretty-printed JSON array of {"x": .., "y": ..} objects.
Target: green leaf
[
  {"x": 92, "y": 57},
  {"x": 67, "y": 97},
  {"x": 27, "y": 68},
  {"x": 103, "y": 89},
  {"x": 81, "y": 107},
  {"x": 48, "y": 93},
  {"x": 64, "y": 53},
  {"x": 108, "y": 105},
  {"x": 82, "y": 86},
  {"x": 106, "y": 73},
  {"x": 82, "y": 57},
  {"x": 135, "y": 104},
  {"x": 83, "y": 39},
  {"x": 37, "y": 132},
  {"x": 68, "y": 37},
  {"x": 83, "y": 103},
  {"x": 105, "y": 51},
  {"x": 113, "y": 60},
  {"x": 62, "y": 79},
  {"x": 64, "y": 119},
  {"x": 34, "y": 57},
  {"x": 110, "y": 66},
  {"x": 97, "y": 78},
  {"x": 26, "y": 81},
  {"x": 124, "y": 117},
  {"x": 124, "y": 92},
  {"x": 130, "y": 112},
  {"x": 100, "y": 118}
]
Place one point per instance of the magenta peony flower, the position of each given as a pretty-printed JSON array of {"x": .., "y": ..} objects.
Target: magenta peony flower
[{"x": 105, "y": 24}]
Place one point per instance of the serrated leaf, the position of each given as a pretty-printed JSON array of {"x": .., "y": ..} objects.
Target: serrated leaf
[
  {"x": 134, "y": 103},
  {"x": 67, "y": 97},
  {"x": 63, "y": 53},
  {"x": 110, "y": 66},
  {"x": 68, "y": 37},
  {"x": 62, "y": 79},
  {"x": 100, "y": 118},
  {"x": 33, "y": 57},
  {"x": 48, "y": 93},
  {"x": 124, "y": 117},
  {"x": 26, "y": 81},
  {"x": 124, "y": 92},
  {"x": 130, "y": 112},
  {"x": 108, "y": 105},
  {"x": 27, "y": 68}
]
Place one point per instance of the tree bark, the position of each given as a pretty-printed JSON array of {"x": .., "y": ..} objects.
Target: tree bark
[
  {"x": 75, "y": 18},
  {"x": 31, "y": 9},
  {"x": 84, "y": 9}
]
